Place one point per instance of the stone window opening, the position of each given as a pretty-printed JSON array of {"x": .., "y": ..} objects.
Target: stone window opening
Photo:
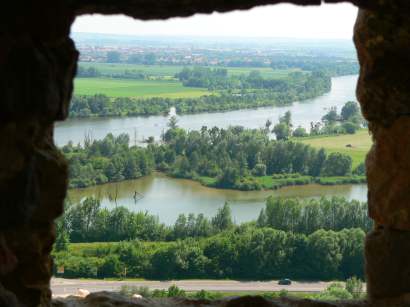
[{"x": 38, "y": 62}]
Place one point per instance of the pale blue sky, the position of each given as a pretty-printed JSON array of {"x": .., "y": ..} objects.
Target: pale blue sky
[{"x": 327, "y": 21}]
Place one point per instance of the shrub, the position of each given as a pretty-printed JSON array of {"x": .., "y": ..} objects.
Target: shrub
[
  {"x": 360, "y": 169},
  {"x": 349, "y": 127},
  {"x": 354, "y": 286},
  {"x": 174, "y": 291},
  {"x": 112, "y": 267},
  {"x": 335, "y": 291}
]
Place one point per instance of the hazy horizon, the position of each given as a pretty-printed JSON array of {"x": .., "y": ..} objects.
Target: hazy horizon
[
  {"x": 183, "y": 36},
  {"x": 326, "y": 22}
]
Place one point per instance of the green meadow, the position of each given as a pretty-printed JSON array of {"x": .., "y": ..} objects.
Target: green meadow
[
  {"x": 163, "y": 83},
  {"x": 135, "y": 88},
  {"x": 171, "y": 70},
  {"x": 355, "y": 145}
]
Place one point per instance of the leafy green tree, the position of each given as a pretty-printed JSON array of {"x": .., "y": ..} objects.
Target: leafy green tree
[
  {"x": 286, "y": 119},
  {"x": 337, "y": 164},
  {"x": 300, "y": 132},
  {"x": 349, "y": 127},
  {"x": 282, "y": 131},
  {"x": 318, "y": 163},
  {"x": 349, "y": 110},
  {"x": 360, "y": 169},
  {"x": 180, "y": 230},
  {"x": 223, "y": 218},
  {"x": 173, "y": 122},
  {"x": 62, "y": 235},
  {"x": 324, "y": 254},
  {"x": 331, "y": 116}
]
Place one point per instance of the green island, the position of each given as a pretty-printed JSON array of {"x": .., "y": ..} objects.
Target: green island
[{"x": 233, "y": 158}]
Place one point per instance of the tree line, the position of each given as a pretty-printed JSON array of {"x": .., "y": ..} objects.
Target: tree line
[
  {"x": 218, "y": 79},
  {"x": 92, "y": 72},
  {"x": 87, "y": 221},
  {"x": 282, "y": 93},
  {"x": 332, "y": 65}
]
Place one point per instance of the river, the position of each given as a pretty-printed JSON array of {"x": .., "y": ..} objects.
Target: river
[
  {"x": 303, "y": 113},
  {"x": 168, "y": 197}
]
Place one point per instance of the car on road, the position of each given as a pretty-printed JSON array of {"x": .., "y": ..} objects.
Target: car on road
[{"x": 285, "y": 282}]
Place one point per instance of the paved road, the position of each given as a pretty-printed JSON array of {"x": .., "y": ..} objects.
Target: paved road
[{"x": 64, "y": 287}]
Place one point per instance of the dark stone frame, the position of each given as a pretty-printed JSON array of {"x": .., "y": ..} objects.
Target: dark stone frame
[{"x": 37, "y": 66}]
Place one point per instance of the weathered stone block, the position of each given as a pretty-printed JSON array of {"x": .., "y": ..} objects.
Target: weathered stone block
[
  {"x": 382, "y": 40},
  {"x": 388, "y": 169},
  {"x": 387, "y": 263}
]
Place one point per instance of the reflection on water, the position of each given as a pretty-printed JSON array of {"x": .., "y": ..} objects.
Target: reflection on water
[
  {"x": 303, "y": 113},
  {"x": 168, "y": 197}
]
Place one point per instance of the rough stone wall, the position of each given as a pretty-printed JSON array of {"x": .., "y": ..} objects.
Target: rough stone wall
[
  {"x": 383, "y": 43},
  {"x": 161, "y": 9},
  {"x": 37, "y": 66}
]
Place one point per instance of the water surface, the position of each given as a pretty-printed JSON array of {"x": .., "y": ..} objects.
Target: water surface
[
  {"x": 169, "y": 197},
  {"x": 303, "y": 113}
]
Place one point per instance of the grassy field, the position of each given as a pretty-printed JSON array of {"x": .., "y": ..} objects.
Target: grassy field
[
  {"x": 135, "y": 88},
  {"x": 171, "y": 70},
  {"x": 360, "y": 144},
  {"x": 166, "y": 86}
]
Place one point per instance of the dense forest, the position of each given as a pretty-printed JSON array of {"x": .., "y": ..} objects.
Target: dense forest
[
  {"x": 273, "y": 92},
  {"x": 277, "y": 244},
  {"x": 236, "y": 158}
]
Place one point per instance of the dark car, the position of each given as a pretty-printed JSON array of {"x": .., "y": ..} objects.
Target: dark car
[{"x": 285, "y": 282}]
